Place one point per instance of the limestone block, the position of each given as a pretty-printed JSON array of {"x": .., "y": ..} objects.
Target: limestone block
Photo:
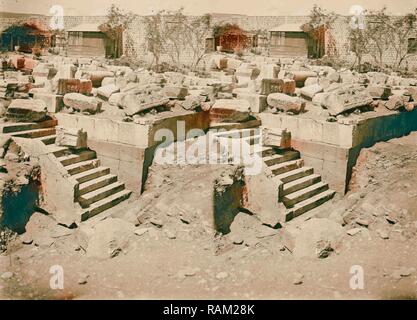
[
  {"x": 25, "y": 110},
  {"x": 310, "y": 81},
  {"x": 269, "y": 86},
  {"x": 379, "y": 92},
  {"x": 230, "y": 110},
  {"x": 106, "y": 91},
  {"x": 345, "y": 99},
  {"x": 286, "y": 103},
  {"x": 82, "y": 103},
  {"x": 175, "y": 92},
  {"x": 394, "y": 103},
  {"x": 257, "y": 102},
  {"x": 71, "y": 137},
  {"x": 310, "y": 91},
  {"x": 108, "y": 80},
  {"x": 54, "y": 102}
]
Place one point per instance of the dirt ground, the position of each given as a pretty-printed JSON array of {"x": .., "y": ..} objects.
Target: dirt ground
[{"x": 174, "y": 255}]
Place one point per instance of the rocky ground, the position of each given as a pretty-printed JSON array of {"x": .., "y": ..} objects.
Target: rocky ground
[{"x": 161, "y": 247}]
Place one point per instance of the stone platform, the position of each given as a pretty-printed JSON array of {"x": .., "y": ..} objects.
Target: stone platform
[{"x": 332, "y": 148}]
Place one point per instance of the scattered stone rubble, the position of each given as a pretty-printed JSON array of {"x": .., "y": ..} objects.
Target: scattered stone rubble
[{"x": 55, "y": 83}]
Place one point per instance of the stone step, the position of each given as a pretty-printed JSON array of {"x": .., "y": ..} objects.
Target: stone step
[
  {"x": 280, "y": 158},
  {"x": 238, "y": 134},
  {"x": 82, "y": 166},
  {"x": 17, "y": 127},
  {"x": 47, "y": 139},
  {"x": 57, "y": 151},
  {"x": 67, "y": 160},
  {"x": 293, "y": 198},
  {"x": 96, "y": 183},
  {"x": 91, "y": 174},
  {"x": 309, "y": 204},
  {"x": 36, "y": 133},
  {"x": 89, "y": 198},
  {"x": 280, "y": 168},
  {"x": 236, "y": 125},
  {"x": 294, "y": 174},
  {"x": 105, "y": 204},
  {"x": 301, "y": 183},
  {"x": 266, "y": 151}
]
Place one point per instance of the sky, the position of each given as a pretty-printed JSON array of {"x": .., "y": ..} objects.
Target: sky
[{"x": 248, "y": 7}]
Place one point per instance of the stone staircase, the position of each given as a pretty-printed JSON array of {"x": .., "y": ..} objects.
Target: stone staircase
[
  {"x": 300, "y": 189},
  {"x": 98, "y": 189}
]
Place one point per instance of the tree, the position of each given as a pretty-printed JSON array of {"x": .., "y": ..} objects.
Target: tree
[
  {"x": 390, "y": 32},
  {"x": 320, "y": 22},
  {"x": 195, "y": 35},
  {"x": 400, "y": 30},
  {"x": 358, "y": 42},
  {"x": 164, "y": 34},
  {"x": 155, "y": 36},
  {"x": 118, "y": 21},
  {"x": 172, "y": 33},
  {"x": 174, "y": 27},
  {"x": 377, "y": 33}
]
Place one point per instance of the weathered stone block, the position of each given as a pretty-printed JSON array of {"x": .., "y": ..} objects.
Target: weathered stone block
[
  {"x": 108, "y": 80},
  {"x": 310, "y": 91},
  {"x": 97, "y": 77},
  {"x": 288, "y": 86},
  {"x": 310, "y": 81},
  {"x": 71, "y": 137},
  {"x": 82, "y": 103},
  {"x": 229, "y": 110},
  {"x": 394, "y": 103},
  {"x": 379, "y": 92},
  {"x": 269, "y": 71},
  {"x": 175, "y": 92},
  {"x": 68, "y": 86},
  {"x": 106, "y": 91},
  {"x": 269, "y": 86},
  {"x": 257, "y": 102},
  {"x": 134, "y": 104},
  {"x": 54, "y": 102},
  {"x": 284, "y": 102},
  {"x": 247, "y": 71},
  {"x": 66, "y": 71},
  {"x": 116, "y": 98},
  {"x": 86, "y": 86},
  {"x": 25, "y": 110},
  {"x": 345, "y": 99}
]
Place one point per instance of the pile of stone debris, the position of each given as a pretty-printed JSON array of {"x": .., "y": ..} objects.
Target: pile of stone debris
[
  {"x": 286, "y": 84},
  {"x": 250, "y": 84}
]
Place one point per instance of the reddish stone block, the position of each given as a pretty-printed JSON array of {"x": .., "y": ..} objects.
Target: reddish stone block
[
  {"x": 17, "y": 61},
  {"x": 217, "y": 115},
  {"x": 68, "y": 86},
  {"x": 20, "y": 63},
  {"x": 30, "y": 64},
  {"x": 269, "y": 86},
  {"x": 288, "y": 87},
  {"x": 86, "y": 86}
]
